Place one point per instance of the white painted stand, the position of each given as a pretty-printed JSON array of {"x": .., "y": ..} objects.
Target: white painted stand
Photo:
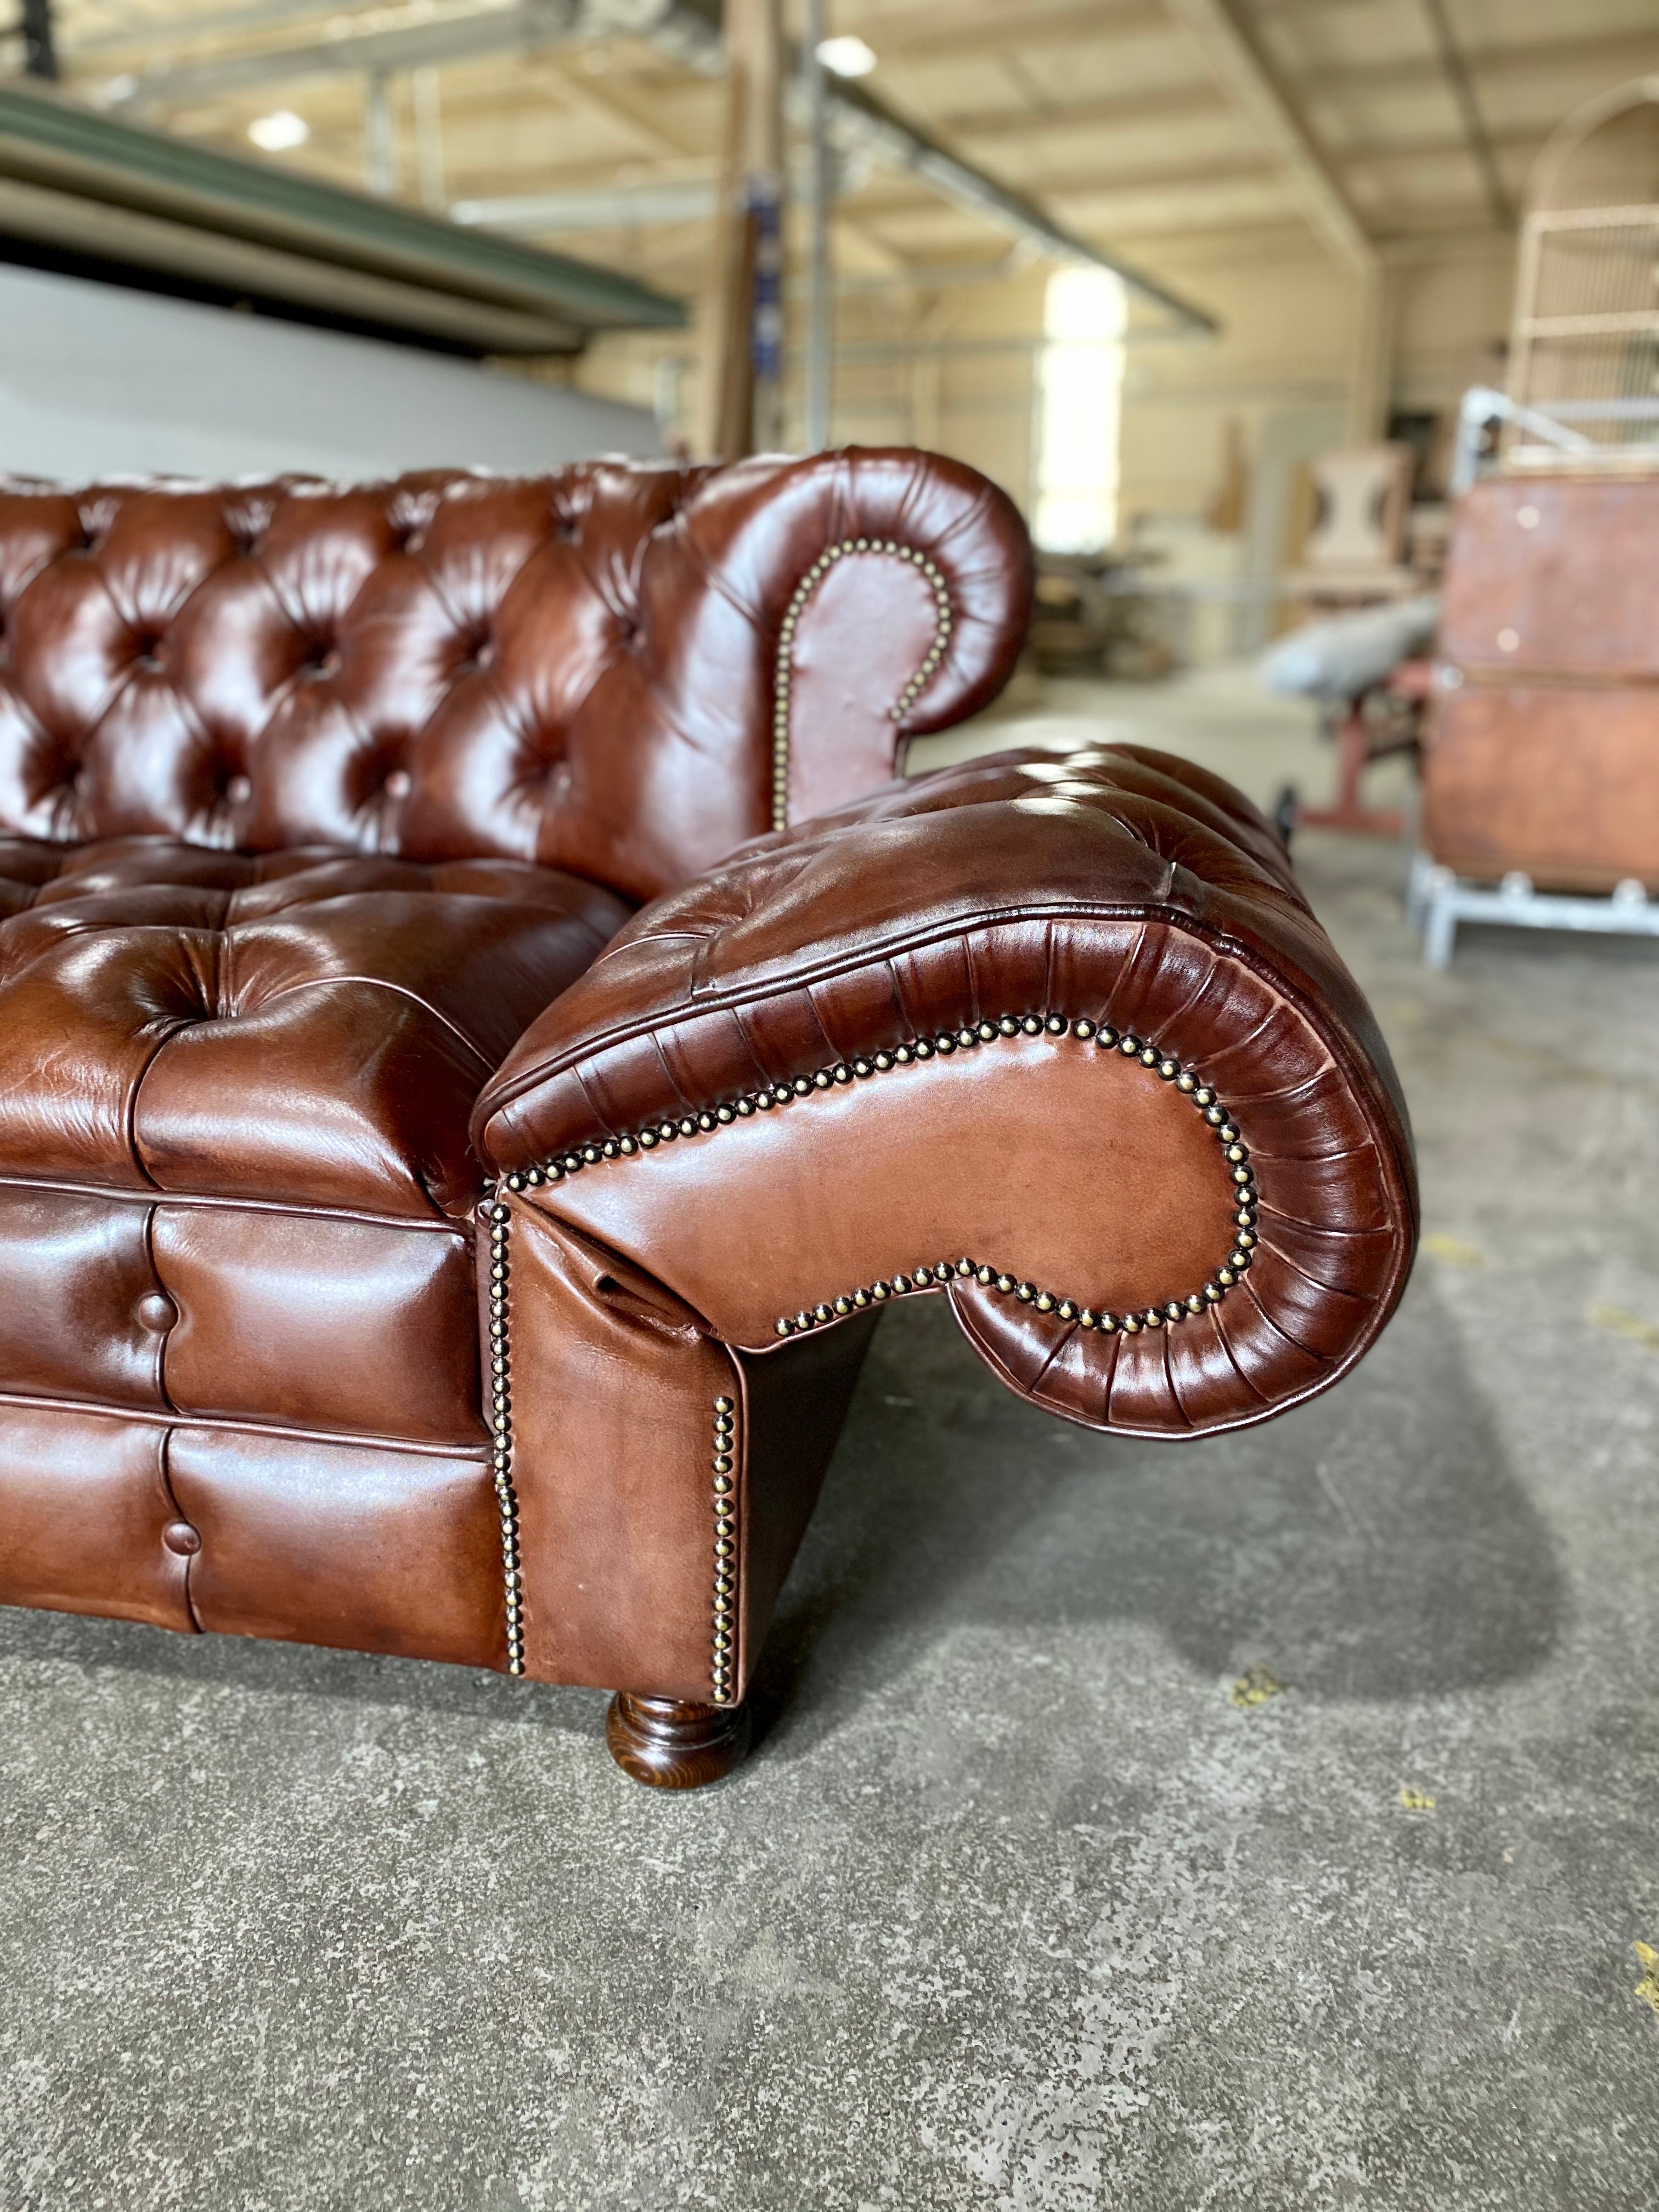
[{"x": 1437, "y": 900}]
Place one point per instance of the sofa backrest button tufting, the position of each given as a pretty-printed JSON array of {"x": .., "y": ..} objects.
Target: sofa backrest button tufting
[{"x": 178, "y": 1536}]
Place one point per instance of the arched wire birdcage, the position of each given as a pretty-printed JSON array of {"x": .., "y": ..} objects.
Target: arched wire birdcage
[{"x": 1583, "y": 383}]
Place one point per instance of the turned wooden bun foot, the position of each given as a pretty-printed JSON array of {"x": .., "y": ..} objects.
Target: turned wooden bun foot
[{"x": 672, "y": 1745}]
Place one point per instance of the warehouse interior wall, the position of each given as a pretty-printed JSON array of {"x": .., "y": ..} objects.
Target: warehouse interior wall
[
  {"x": 956, "y": 368},
  {"x": 96, "y": 379}
]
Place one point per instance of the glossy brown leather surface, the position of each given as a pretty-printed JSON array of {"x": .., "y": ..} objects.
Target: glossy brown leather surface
[
  {"x": 84, "y": 1504},
  {"x": 575, "y": 669},
  {"x": 355, "y": 1328},
  {"x": 189, "y": 1527},
  {"x": 315, "y": 1542},
  {"x": 871, "y": 1179},
  {"x": 268, "y": 1315},
  {"x": 295, "y": 1028},
  {"x": 615, "y": 1384},
  {"x": 1117, "y": 888}
]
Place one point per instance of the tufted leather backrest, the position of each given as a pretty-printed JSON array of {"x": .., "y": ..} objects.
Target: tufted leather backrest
[{"x": 617, "y": 669}]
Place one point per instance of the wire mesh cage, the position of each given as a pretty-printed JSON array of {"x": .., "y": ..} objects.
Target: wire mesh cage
[{"x": 1584, "y": 382}]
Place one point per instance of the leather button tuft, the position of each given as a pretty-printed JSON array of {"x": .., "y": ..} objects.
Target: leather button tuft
[
  {"x": 157, "y": 1310},
  {"x": 178, "y": 1536},
  {"x": 240, "y": 790},
  {"x": 399, "y": 783}
]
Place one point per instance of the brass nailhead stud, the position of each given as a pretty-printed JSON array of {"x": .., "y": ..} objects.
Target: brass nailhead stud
[
  {"x": 724, "y": 1582},
  {"x": 783, "y": 661},
  {"x": 501, "y": 1455}
]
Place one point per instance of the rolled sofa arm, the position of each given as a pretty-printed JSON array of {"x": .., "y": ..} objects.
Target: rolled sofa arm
[{"x": 1057, "y": 1039}]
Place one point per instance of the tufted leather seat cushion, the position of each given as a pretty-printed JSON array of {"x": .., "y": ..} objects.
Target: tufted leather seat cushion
[{"x": 299, "y": 1028}]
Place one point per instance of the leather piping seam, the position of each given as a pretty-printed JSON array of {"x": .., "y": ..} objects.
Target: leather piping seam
[
  {"x": 722, "y": 1669},
  {"x": 932, "y": 1275},
  {"x": 499, "y": 1412},
  {"x": 243, "y": 1425},
  {"x": 783, "y": 670},
  {"x": 152, "y": 1196},
  {"x": 752, "y": 990}
]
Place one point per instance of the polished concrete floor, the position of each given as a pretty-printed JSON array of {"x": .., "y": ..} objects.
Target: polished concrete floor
[{"x": 1021, "y": 1903}]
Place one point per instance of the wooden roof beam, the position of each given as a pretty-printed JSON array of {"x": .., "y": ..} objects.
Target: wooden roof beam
[{"x": 1248, "y": 77}]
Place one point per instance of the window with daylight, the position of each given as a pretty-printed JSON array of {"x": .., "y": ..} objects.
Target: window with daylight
[{"x": 1081, "y": 397}]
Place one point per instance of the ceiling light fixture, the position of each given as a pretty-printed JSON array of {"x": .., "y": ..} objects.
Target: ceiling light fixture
[
  {"x": 846, "y": 57},
  {"x": 279, "y": 133}
]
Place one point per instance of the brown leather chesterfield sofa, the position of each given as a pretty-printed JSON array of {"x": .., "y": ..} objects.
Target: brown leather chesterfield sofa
[{"x": 453, "y": 1158}]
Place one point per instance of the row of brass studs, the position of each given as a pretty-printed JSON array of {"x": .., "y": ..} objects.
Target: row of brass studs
[
  {"x": 783, "y": 672},
  {"x": 723, "y": 1664},
  {"x": 922, "y": 1048},
  {"x": 501, "y": 1424},
  {"x": 935, "y": 1275},
  {"x": 940, "y": 1275},
  {"x": 785, "y": 1094}
]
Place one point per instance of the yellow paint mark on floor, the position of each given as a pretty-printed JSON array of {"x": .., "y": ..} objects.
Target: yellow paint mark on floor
[
  {"x": 1648, "y": 1988},
  {"x": 1415, "y": 1800},
  {"x": 1454, "y": 1254},
  {"x": 1626, "y": 1324},
  {"x": 1255, "y": 1686}
]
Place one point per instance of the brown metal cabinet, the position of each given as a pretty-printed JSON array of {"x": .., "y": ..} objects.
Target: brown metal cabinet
[{"x": 1543, "y": 752}]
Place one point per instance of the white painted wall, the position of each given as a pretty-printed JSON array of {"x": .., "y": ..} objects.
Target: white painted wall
[{"x": 98, "y": 382}]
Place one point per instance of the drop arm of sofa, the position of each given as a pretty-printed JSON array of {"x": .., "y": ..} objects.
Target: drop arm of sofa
[{"x": 1058, "y": 1040}]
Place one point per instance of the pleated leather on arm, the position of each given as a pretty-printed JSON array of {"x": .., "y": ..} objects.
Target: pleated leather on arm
[{"x": 1060, "y": 1038}]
